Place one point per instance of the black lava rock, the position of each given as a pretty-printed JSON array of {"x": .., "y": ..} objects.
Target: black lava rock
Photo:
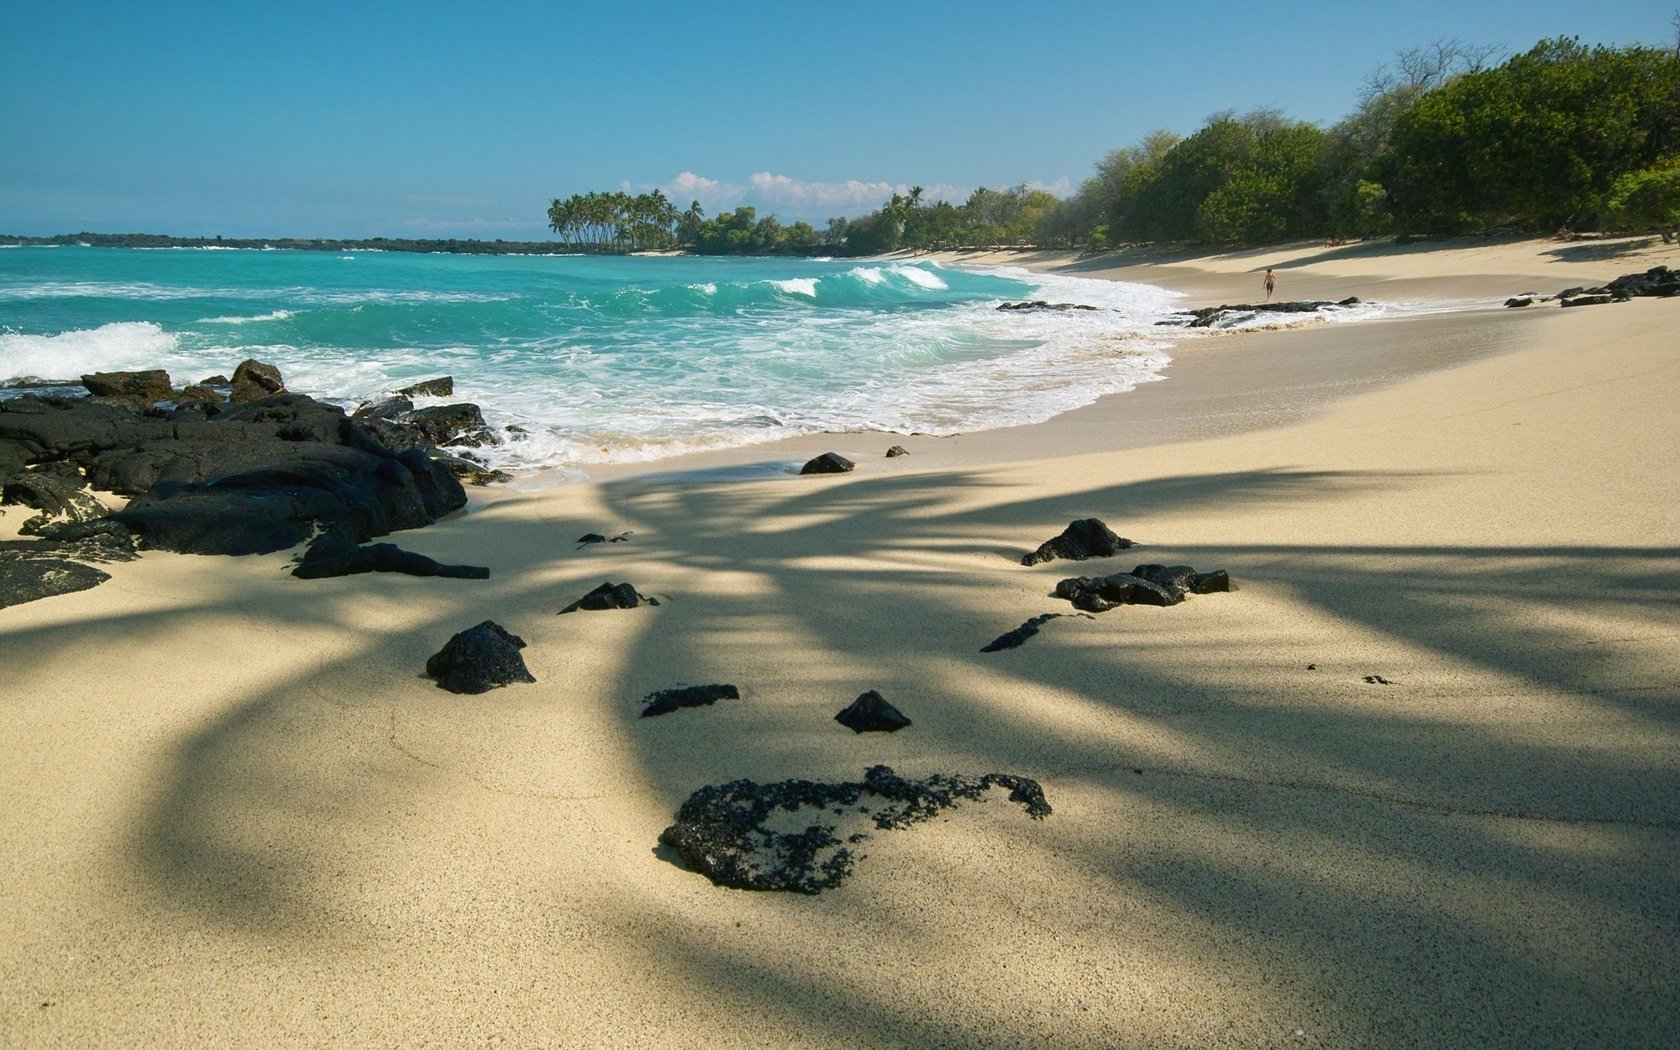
[
  {"x": 721, "y": 831},
  {"x": 1018, "y": 637},
  {"x": 335, "y": 554},
  {"x": 665, "y": 701},
  {"x": 57, "y": 563},
  {"x": 828, "y": 463},
  {"x": 610, "y": 596},
  {"x": 1082, "y": 539},
  {"x": 1040, "y": 304},
  {"x": 870, "y": 713},
  {"x": 479, "y": 659},
  {"x": 896, "y": 451},
  {"x": 442, "y": 386},
  {"x": 1160, "y": 585}
]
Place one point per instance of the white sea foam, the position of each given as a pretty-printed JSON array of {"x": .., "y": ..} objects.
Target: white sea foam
[
  {"x": 127, "y": 345},
  {"x": 806, "y": 286},
  {"x": 272, "y": 315},
  {"x": 920, "y": 278}
]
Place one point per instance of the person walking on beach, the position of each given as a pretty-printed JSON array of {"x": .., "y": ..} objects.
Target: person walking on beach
[{"x": 1271, "y": 282}]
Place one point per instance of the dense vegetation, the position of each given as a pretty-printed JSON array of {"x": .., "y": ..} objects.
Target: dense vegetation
[{"x": 1443, "y": 142}]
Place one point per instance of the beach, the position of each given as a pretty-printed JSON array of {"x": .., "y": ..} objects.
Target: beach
[{"x": 1413, "y": 782}]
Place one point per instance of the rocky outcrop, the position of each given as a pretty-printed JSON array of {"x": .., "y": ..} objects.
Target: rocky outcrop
[
  {"x": 225, "y": 479},
  {"x": 61, "y": 562},
  {"x": 665, "y": 701},
  {"x": 335, "y": 554},
  {"x": 57, "y": 490},
  {"x": 1040, "y": 304},
  {"x": 135, "y": 388},
  {"x": 732, "y": 833},
  {"x": 442, "y": 386},
  {"x": 828, "y": 463},
  {"x": 870, "y": 713},
  {"x": 610, "y": 596},
  {"x": 479, "y": 659},
  {"x": 1082, "y": 539},
  {"x": 1223, "y": 316},
  {"x": 254, "y": 380},
  {"x": 1160, "y": 585}
]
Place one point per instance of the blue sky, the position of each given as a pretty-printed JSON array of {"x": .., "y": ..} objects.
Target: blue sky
[{"x": 433, "y": 119}]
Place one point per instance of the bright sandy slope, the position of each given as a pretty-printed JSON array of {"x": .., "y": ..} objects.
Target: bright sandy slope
[{"x": 233, "y": 812}]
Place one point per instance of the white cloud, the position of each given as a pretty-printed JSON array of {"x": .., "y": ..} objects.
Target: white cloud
[
  {"x": 711, "y": 193},
  {"x": 1062, "y": 187}
]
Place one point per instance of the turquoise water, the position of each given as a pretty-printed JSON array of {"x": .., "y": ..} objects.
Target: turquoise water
[{"x": 597, "y": 359}]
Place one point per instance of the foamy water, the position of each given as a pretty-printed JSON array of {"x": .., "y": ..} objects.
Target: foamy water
[{"x": 602, "y": 359}]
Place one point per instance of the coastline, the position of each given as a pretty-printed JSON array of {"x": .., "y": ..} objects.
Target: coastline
[{"x": 237, "y": 813}]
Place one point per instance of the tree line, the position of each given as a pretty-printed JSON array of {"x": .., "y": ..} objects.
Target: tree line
[{"x": 1444, "y": 141}]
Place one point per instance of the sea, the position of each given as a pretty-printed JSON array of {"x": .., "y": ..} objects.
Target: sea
[{"x": 586, "y": 360}]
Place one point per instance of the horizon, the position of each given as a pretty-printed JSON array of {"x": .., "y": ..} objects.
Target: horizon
[{"x": 404, "y": 123}]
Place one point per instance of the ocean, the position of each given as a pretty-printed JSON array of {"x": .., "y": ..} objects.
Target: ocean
[{"x": 596, "y": 359}]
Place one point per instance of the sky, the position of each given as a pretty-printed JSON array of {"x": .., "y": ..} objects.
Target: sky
[{"x": 431, "y": 119}]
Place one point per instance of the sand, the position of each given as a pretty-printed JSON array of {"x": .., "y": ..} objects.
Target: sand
[{"x": 233, "y": 812}]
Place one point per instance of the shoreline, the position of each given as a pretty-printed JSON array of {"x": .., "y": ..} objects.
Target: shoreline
[{"x": 1418, "y": 773}]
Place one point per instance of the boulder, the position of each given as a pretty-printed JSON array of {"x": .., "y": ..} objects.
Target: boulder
[
  {"x": 1040, "y": 304},
  {"x": 479, "y": 659},
  {"x": 665, "y": 701},
  {"x": 461, "y": 424},
  {"x": 896, "y": 451},
  {"x": 1588, "y": 300},
  {"x": 1159, "y": 585},
  {"x": 442, "y": 386},
  {"x": 1520, "y": 301},
  {"x": 1082, "y": 539},
  {"x": 870, "y": 713},
  {"x": 828, "y": 463},
  {"x": 254, "y": 380},
  {"x": 736, "y": 834},
  {"x": 610, "y": 596},
  {"x": 139, "y": 388},
  {"x": 390, "y": 409}
]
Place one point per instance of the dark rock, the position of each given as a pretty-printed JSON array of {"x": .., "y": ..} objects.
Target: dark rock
[
  {"x": 595, "y": 537},
  {"x": 1160, "y": 585},
  {"x": 57, "y": 563},
  {"x": 665, "y": 701},
  {"x": 1082, "y": 539},
  {"x": 1018, "y": 637},
  {"x": 610, "y": 596},
  {"x": 142, "y": 388},
  {"x": 335, "y": 554},
  {"x": 1216, "y": 582},
  {"x": 870, "y": 713},
  {"x": 1588, "y": 300},
  {"x": 723, "y": 831},
  {"x": 392, "y": 409},
  {"x": 1569, "y": 293},
  {"x": 1520, "y": 300},
  {"x": 442, "y": 386},
  {"x": 1659, "y": 281},
  {"x": 469, "y": 471},
  {"x": 479, "y": 659},
  {"x": 57, "y": 490},
  {"x": 1218, "y": 316},
  {"x": 1377, "y": 679},
  {"x": 215, "y": 380},
  {"x": 451, "y": 425},
  {"x": 828, "y": 463},
  {"x": 896, "y": 451},
  {"x": 1040, "y": 304},
  {"x": 198, "y": 392},
  {"x": 253, "y": 380}
]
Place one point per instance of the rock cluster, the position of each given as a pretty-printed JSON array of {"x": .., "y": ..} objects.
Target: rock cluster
[
  {"x": 479, "y": 659},
  {"x": 1018, "y": 637},
  {"x": 1657, "y": 282},
  {"x": 1222, "y": 316},
  {"x": 1040, "y": 304},
  {"x": 1145, "y": 585},
  {"x": 723, "y": 831}
]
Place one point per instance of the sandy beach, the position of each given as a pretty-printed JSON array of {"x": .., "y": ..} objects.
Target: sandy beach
[{"x": 1415, "y": 782}]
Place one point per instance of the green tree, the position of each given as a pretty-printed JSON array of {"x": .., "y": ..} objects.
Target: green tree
[{"x": 1649, "y": 199}]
